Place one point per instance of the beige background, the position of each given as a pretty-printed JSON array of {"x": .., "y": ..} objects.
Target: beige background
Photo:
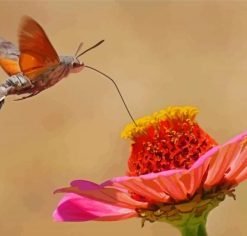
[{"x": 160, "y": 54}]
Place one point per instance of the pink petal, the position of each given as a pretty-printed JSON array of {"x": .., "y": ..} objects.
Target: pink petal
[
  {"x": 84, "y": 184},
  {"x": 238, "y": 167},
  {"x": 173, "y": 185},
  {"x": 193, "y": 179},
  {"x": 228, "y": 162},
  {"x": 149, "y": 186},
  {"x": 74, "y": 207},
  {"x": 241, "y": 177},
  {"x": 106, "y": 194}
]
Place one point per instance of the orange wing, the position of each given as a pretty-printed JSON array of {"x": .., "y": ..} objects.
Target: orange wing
[
  {"x": 11, "y": 67},
  {"x": 9, "y": 57},
  {"x": 37, "y": 55}
]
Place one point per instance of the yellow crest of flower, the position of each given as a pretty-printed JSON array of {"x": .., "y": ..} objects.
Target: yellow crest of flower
[{"x": 172, "y": 113}]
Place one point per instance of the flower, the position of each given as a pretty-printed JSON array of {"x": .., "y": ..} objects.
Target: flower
[{"x": 177, "y": 174}]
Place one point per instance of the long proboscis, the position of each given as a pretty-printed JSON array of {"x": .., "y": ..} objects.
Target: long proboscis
[
  {"x": 94, "y": 46},
  {"x": 118, "y": 90}
]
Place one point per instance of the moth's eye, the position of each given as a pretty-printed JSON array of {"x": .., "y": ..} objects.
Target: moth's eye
[{"x": 76, "y": 64}]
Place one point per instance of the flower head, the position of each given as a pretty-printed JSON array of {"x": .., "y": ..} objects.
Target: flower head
[
  {"x": 169, "y": 139},
  {"x": 177, "y": 173}
]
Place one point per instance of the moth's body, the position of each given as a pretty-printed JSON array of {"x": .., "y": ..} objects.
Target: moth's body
[
  {"x": 20, "y": 84},
  {"x": 50, "y": 77}
]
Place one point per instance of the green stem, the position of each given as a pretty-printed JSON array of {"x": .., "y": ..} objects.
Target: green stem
[
  {"x": 202, "y": 230},
  {"x": 194, "y": 230},
  {"x": 193, "y": 222}
]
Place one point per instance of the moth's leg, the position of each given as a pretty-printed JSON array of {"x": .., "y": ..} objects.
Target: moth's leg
[{"x": 29, "y": 96}]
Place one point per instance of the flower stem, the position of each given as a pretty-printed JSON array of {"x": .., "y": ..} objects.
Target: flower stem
[
  {"x": 194, "y": 230},
  {"x": 191, "y": 220}
]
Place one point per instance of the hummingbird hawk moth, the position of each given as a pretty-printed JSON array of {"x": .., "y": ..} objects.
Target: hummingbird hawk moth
[{"x": 35, "y": 66}]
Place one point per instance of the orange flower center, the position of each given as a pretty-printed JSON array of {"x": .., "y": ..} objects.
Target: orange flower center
[{"x": 172, "y": 140}]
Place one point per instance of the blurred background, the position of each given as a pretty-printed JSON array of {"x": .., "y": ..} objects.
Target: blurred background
[{"x": 160, "y": 54}]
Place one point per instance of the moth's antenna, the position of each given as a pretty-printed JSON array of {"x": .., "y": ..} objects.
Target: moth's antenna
[
  {"x": 108, "y": 77},
  {"x": 96, "y": 45},
  {"x": 78, "y": 49}
]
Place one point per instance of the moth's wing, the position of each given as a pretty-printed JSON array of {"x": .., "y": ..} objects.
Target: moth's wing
[
  {"x": 9, "y": 57},
  {"x": 37, "y": 54},
  {"x": 8, "y": 50},
  {"x": 11, "y": 67}
]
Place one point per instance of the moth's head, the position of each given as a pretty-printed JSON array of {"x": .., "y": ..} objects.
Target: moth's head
[{"x": 72, "y": 63}]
